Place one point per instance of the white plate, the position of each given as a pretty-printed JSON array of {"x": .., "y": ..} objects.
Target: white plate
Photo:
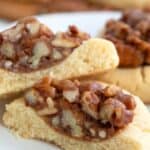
[{"x": 90, "y": 22}]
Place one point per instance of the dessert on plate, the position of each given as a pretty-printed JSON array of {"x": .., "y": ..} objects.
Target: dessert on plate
[
  {"x": 30, "y": 50},
  {"x": 80, "y": 115},
  {"x": 131, "y": 36}
]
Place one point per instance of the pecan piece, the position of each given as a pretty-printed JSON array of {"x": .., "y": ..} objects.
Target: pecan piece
[
  {"x": 33, "y": 27},
  {"x": 50, "y": 110},
  {"x": 111, "y": 91},
  {"x": 61, "y": 41},
  {"x": 13, "y": 34},
  {"x": 46, "y": 111},
  {"x": 8, "y": 64},
  {"x": 115, "y": 112},
  {"x": 68, "y": 119},
  {"x": 71, "y": 95},
  {"x": 56, "y": 55},
  {"x": 102, "y": 134},
  {"x": 90, "y": 104},
  {"x": 128, "y": 100},
  {"x": 32, "y": 97},
  {"x": 7, "y": 49},
  {"x": 40, "y": 50},
  {"x": 65, "y": 85}
]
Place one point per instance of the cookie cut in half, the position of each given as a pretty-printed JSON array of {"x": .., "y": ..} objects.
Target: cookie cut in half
[
  {"x": 130, "y": 34},
  {"x": 80, "y": 115},
  {"x": 30, "y": 50}
]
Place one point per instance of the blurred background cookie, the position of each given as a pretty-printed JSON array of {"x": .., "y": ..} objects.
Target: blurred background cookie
[
  {"x": 131, "y": 36},
  {"x": 14, "y": 9},
  {"x": 143, "y": 4}
]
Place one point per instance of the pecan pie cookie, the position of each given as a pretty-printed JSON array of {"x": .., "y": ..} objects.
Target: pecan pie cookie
[
  {"x": 131, "y": 36},
  {"x": 30, "y": 50},
  {"x": 78, "y": 115}
]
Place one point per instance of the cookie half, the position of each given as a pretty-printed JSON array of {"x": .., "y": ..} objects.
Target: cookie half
[{"x": 80, "y": 115}]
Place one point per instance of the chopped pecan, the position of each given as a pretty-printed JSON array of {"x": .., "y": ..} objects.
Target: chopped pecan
[
  {"x": 127, "y": 100},
  {"x": 114, "y": 111},
  {"x": 8, "y": 64},
  {"x": 74, "y": 32},
  {"x": 80, "y": 110},
  {"x": 50, "y": 110},
  {"x": 57, "y": 55},
  {"x": 91, "y": 86},
  {"x": 71, "y": 95},
  {"x": 56, "y": 121},
  {"x": 68, "y": 119},
  {"x": 45, "y": 88},
  {"x": 40, "y": 50},
  {"x": 65, "y": 85},
  {"x": 50, "y": 102},
  {"x": 61, "y": 41},
  {"x": 47, "y": 111},
  {"x": 7, "y": 49},
  {"x": 31, "y": 45},
  {"x": 14, "y": 34},
  {"x": 102, "y": 134},
  {"x": 92, "y": 132},
  {"x": 110, "y": 91},
  {"x": 32, "y": 97},
  {"x": 33, "y": 28},
  {"x": 90, "y": 104}
]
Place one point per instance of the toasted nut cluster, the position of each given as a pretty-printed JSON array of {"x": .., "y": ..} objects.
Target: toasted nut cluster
[
  {"x": 68, "y": 119},
  {"x": 69, "y": 40},
  {"x": 82, "y": 109},
  {"x": 90, "y": 103},
  {"x": 49, "y": 110},
  {"x": 30, "y": 45},
  {"x": 131, "y": 37}
]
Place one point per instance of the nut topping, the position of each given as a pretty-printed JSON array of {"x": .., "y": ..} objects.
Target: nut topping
[
  {"x": 69, "y": 120},
  {"x": 33, "y": 28},
  {"x": 57, "y": 55},
  {"x": 50, "y": 109},
  {"x": 114, "y": 111},
  {"x": 93, "y": 132},
  {"x": 47, "y": 111},
  {"x": 111, "y": 91},
  {"x": 60, "y": 41},
  {"x": 8, "y": 64},
  {"x": 71, "y": 95},
  {"x": 32, "y": 97},
  {"x": 56, "y": 121},
  {"x": 50, "y": 102},
  {"x": 13, "y": 34},
  {"x": 30, "y": 45},
  {"x": 102, "y": 134},
  {"x": 40, "y": 50},
  {"x": 7, "y": 50},
  {"x": 82, "y": 110},
  {"x": 90, "y": 103}
]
